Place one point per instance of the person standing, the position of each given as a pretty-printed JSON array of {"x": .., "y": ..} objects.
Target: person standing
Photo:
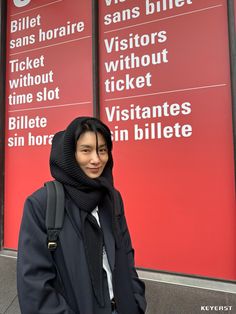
[{"x": 92, "y": 270}]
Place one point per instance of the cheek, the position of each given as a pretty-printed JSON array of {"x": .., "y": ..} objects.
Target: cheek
[
  {"x": 79, "y": 159},
  {"x": 105, "y": 160}
]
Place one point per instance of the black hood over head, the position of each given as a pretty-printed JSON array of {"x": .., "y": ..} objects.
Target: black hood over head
[{"x": 63, "y": 164}]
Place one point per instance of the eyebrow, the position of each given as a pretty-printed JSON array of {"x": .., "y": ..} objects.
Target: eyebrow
[
  {"x": 102, "y": 145},
  {"x": 89, "y": 146},
  {"x": 84, "y": 146}
]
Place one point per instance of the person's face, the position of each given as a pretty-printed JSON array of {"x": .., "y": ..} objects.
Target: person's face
[{"x": 86, "y": 155}]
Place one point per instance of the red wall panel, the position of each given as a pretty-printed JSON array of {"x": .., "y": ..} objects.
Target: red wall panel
[
  {"x": 165, "y": 93},
  {"x": 49, "y": 82}
]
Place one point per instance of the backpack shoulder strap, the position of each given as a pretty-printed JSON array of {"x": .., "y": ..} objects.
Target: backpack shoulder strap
[{"x": 54, "y": 212}]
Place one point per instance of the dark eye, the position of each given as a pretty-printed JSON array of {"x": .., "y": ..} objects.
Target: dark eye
[
  {"x": 103, "y": 150},
  {"x": 85, "y": 150}
]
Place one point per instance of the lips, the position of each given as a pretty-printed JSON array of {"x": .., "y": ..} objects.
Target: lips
[{"x": 93, "y": 169}]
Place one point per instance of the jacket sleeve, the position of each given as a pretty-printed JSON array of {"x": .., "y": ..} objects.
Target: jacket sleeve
[
  {"x": 36, "y": 273},
  {"x": 137, "y": 284}
]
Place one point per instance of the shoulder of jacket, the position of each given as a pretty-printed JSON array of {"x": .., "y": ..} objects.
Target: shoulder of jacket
[
  {"x": 38, "y": 201},
  {"x": 35, "y": 206},
  {"x": 39, "y": 195}
]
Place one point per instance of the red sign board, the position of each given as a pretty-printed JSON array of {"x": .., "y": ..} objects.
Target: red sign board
[
  {"x": 49, "y": 83},
  {"x": 165, "y": 93}
]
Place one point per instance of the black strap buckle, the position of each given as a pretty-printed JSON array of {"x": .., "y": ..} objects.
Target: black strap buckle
[{"x": 52, "y": 245}]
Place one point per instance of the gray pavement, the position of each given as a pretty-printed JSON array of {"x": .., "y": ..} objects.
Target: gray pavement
[{"x": 8, "y": 294}]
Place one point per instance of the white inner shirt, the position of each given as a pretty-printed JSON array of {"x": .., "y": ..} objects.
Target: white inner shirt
[{"x": 105, "y": 262}]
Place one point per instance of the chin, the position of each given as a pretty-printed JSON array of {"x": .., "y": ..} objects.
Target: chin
[{"x": 94, "y": 176}]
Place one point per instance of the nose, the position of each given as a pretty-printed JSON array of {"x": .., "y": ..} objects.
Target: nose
[{"x": 95, "y": 159}]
